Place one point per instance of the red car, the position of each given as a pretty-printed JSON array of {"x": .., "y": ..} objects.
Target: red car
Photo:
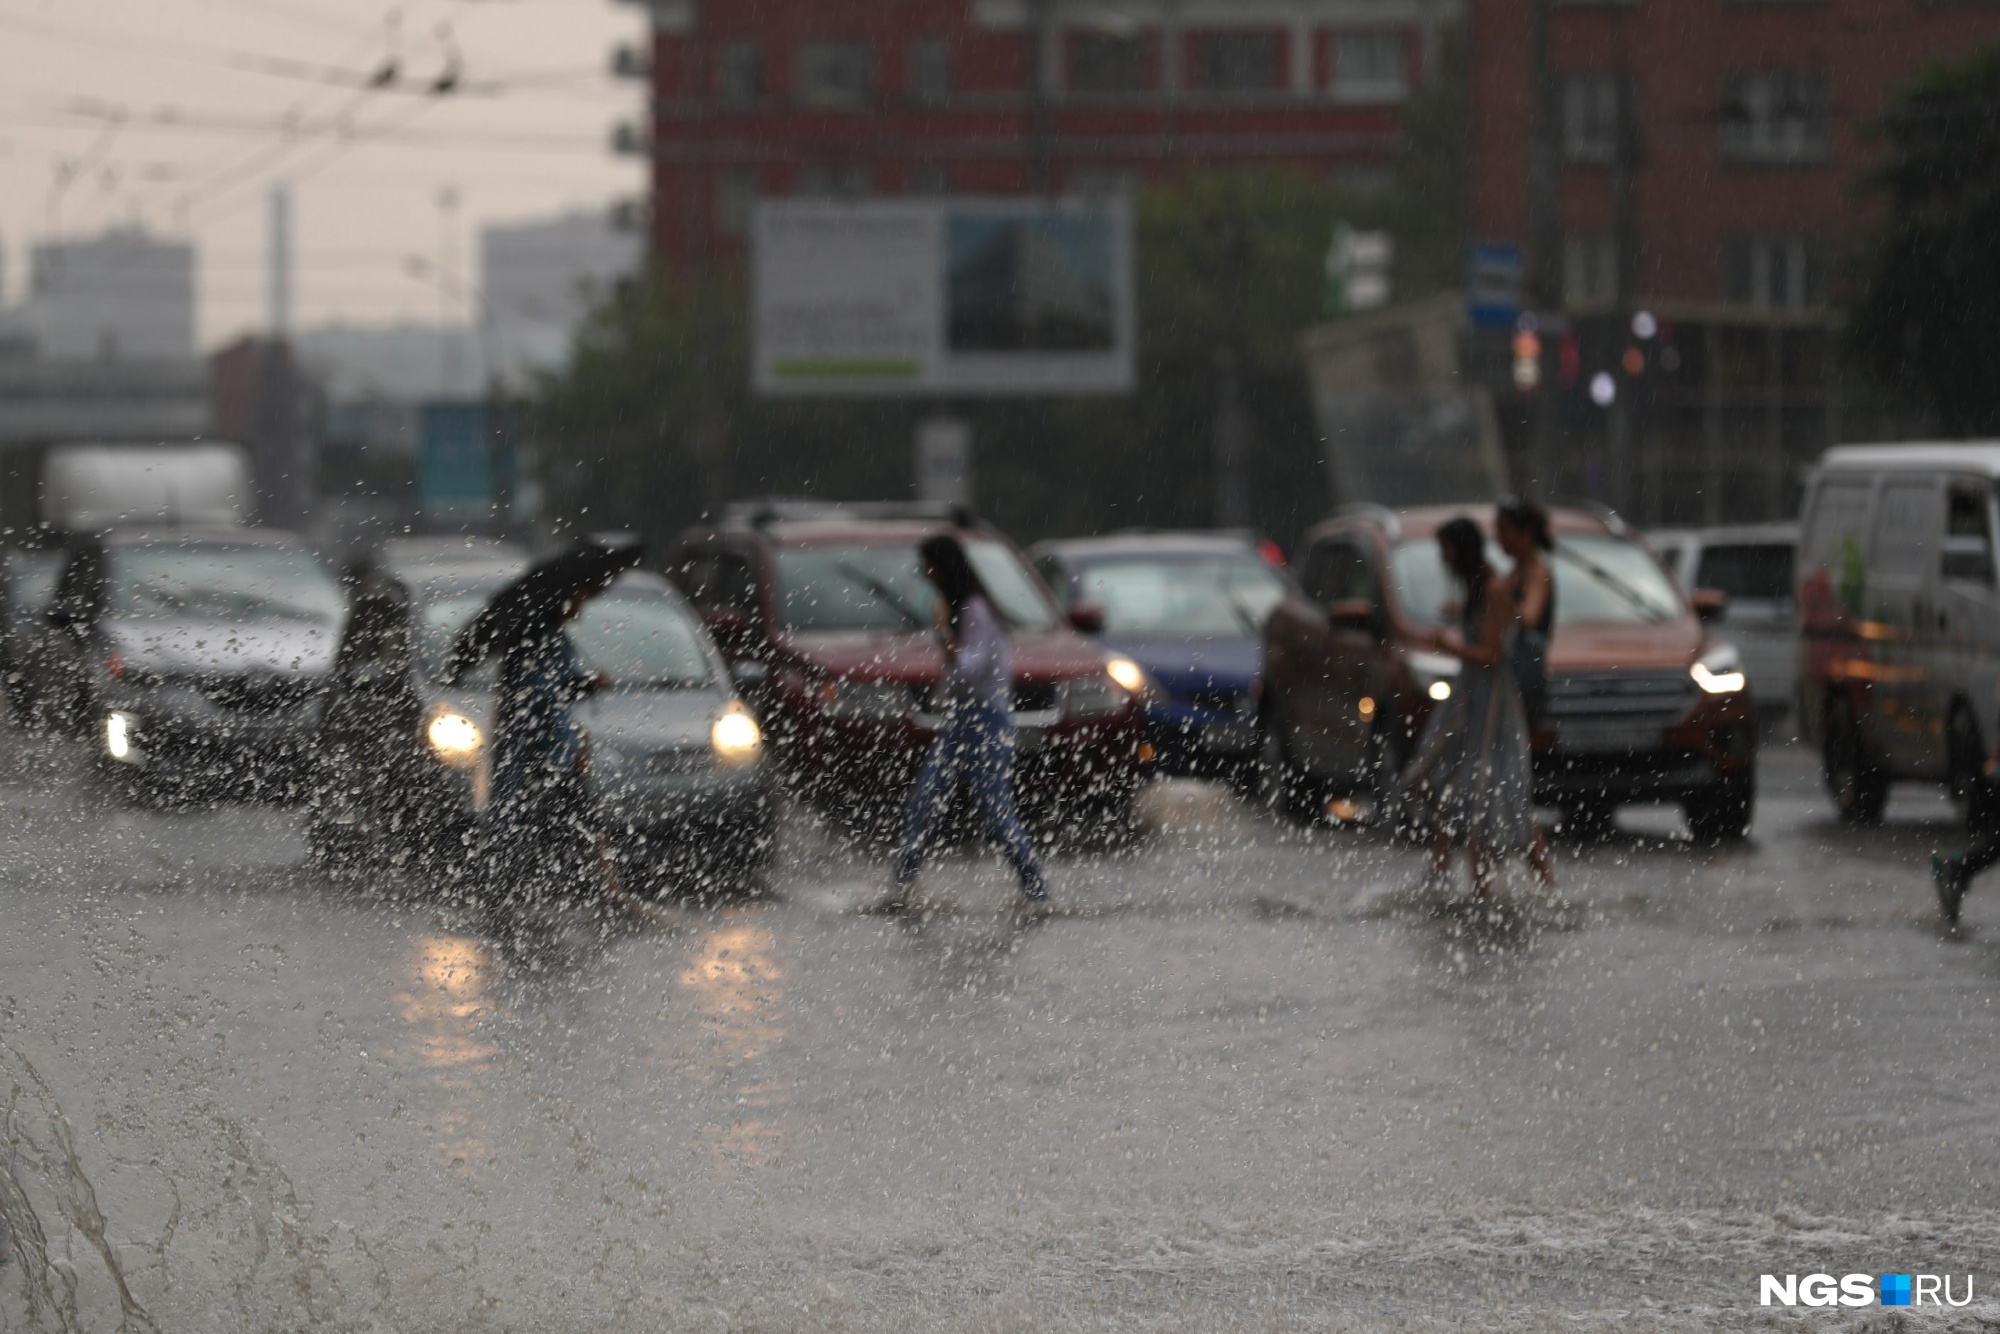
[{"x": 828, "y": 622}]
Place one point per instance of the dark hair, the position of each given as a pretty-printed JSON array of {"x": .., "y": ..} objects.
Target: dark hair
[
  {"x": 1530, "y": 518},
  {"x": 1465, "y": 553},
  {"x": 951, "y": 570}
]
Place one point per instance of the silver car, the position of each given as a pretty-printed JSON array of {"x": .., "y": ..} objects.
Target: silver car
[
  {"x": 676, "y": 759},
  {"x": 1753, "y": 567}
]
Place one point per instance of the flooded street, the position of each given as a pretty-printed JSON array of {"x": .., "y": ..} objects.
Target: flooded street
[{"x": 1241, "y": 1078}]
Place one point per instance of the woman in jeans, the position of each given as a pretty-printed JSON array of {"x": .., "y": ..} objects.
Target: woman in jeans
[{"x": 976, "y": 741}]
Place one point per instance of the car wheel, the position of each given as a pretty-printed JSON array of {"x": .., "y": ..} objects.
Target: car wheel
[
  {"x": 1965, "y": 758},
  {"x": 1285, "y": 788},
  {"x": 1860, "y": 789},
  {"x": 1723, "y": 813}
]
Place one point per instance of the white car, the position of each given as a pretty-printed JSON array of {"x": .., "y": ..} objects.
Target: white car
[{"x": 1754, "y": 567}]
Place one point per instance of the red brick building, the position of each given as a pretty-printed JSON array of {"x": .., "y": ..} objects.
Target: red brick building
[
  {"x": 882, "y": 97},
  {"x": 1706, "y": 160}
]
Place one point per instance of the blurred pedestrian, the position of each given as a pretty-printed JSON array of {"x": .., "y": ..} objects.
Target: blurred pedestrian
[
  {"x": 1522, "y": 528},
  {"x": 1473, "y": 767},
  {"x": 538, "y": 823},
  {"x": 1953, "y": 875},
  {"x": 975, "y": 743}
]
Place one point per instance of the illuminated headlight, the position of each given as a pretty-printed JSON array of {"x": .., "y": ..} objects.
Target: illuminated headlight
[
  {"x": 1434, "y": 674},
  {"x": 1095, "y": 696},
  {"x": 455, "y": 739},
  {"x": 736, "y": 737},
  {"x": 121, "y": 737},
  {"x": 1129, "y": 675},
  {"x": 865, "y": 699},
  {"x": 1720, "y": 671}
]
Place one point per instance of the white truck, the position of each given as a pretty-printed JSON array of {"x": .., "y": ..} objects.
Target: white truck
[{"x": 91, "y": 487}]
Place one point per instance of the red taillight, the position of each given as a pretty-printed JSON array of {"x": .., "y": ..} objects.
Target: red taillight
[
  {"x": 1273, "y": 556},
  {"x": 116, "y": 666}
]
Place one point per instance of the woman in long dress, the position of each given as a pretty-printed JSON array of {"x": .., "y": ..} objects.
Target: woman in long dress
[{"x": 1473, "y": 767}]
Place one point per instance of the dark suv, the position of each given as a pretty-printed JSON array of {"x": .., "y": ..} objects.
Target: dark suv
[
  {"x": 1643, "y": 705},
  {"x": 827, "y": 601}
]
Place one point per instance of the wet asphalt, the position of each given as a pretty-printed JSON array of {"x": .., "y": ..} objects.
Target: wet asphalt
[{"x": 1243, "y": 1076}]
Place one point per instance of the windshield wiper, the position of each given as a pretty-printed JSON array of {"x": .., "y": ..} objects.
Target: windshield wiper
[
  {"x": 884, "y": 590},
  {"x": 1653, "y": 613}
]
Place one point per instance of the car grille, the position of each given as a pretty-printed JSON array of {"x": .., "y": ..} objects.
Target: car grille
[
  {"x": 256, "y": 694},
  {"x": 1588, "y": 707}
]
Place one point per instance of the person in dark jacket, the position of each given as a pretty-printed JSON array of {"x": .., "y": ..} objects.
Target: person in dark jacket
[{"x": 538, "y": 821}]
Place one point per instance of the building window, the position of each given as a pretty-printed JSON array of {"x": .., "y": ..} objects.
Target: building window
[
  {"x": 831, "y": 182},
  {"x": 1775, "y": 273},
  {"x": 735, "y": 196},
  {"x": 1590, "y": 109},
  {"x": 1106, "y": 64},
  {"x": 930, "y": 182},
  {"x": 833, "y": 74},
  {"x": 1370, "y": 67},
  {"x": 1590, "y": 270},
  {"x": 739, "y": 73},
  {"x": 930, "y": 71},
  {"x": 1240, "y": 62},
  {"x": 1776, "y": 116}
]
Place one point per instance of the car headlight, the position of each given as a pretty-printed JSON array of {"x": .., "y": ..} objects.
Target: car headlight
[
  {"x": 1720, "y": 671},
  {"x": 865, "y": 699},
  {"x": 1129, "y": 675},
  {"x": 1095, "y": 696},
  {"x": 736, "y": 737},
  {"x": 455, "y": 739},
  {"x": 1434, "y": 674},
  {"x": 121, "y": 737}
]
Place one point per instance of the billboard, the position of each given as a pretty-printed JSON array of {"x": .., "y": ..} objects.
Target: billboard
[{"x": 942, "y": 296}]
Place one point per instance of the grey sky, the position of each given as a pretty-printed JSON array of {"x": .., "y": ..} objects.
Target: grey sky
[{"x": 173, "y": 113}]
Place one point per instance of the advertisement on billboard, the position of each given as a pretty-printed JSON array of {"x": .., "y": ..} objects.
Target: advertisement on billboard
[{"x": 948, "y": 296}]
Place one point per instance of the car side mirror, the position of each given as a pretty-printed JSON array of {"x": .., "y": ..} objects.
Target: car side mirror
[
  {"x": 749, "y": 674},
  {"x": 1353, "y": 614},
  {"x": 63, "y": 616},
  {"x": 1710, "y": 604},
  {"x": 1087, "y": 617}
]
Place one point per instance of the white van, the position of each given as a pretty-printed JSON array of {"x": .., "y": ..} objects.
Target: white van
[
  {"x": 1755, "y": 567},
  {"x": 1899, "y": 665}
]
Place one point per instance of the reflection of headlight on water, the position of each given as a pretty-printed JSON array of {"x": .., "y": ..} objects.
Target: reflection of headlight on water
[
  {"x": 121, "y": 737},
  {"x": 736, "y": 737},
  {"x": 455, "y": 738}
]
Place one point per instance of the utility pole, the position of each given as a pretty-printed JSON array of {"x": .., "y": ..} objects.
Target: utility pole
[
  {"x": 1041, "y": 77},
  {"x": 1544, "y": 226},
  {"x": 1232, "y": 424}
]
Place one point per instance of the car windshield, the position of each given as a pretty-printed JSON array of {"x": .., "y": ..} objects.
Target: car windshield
[
  {"x": 639, "y": 636},
  {"x": 844, "y": 588},
  {"x": 634, "y": 634},
  {"x": 1750, "y": 570},
  {"x": 220, "y": 583},
  {"x": 1192, "y": 597},
  {"x": 1600, "y": 580}
]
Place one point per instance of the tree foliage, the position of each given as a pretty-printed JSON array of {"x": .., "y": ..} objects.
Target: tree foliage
[{"x": 1926, "y": 286}]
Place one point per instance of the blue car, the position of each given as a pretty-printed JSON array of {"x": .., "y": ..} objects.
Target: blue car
[{"x": 1183, "y": 616}]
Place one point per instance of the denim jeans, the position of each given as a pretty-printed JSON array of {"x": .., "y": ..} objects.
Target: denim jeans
[{"x": 975, "y": 744}]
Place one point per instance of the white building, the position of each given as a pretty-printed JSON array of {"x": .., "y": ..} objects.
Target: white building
[
  {"x": 121, "y": 296},
  {"x": 539, "y": 279}
]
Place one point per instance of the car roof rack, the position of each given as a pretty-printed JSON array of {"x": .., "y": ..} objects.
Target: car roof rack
[
  {"x": 762, "y": 511},
  {"x": 1382, "y": 514}
]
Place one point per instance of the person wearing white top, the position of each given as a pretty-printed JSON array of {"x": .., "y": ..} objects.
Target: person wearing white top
[{"x": 976, "y": 740}]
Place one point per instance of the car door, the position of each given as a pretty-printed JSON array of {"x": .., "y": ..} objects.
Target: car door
[
  {"x": 1902, "y": 564},
  {"x": 1335, "y": 661}
]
